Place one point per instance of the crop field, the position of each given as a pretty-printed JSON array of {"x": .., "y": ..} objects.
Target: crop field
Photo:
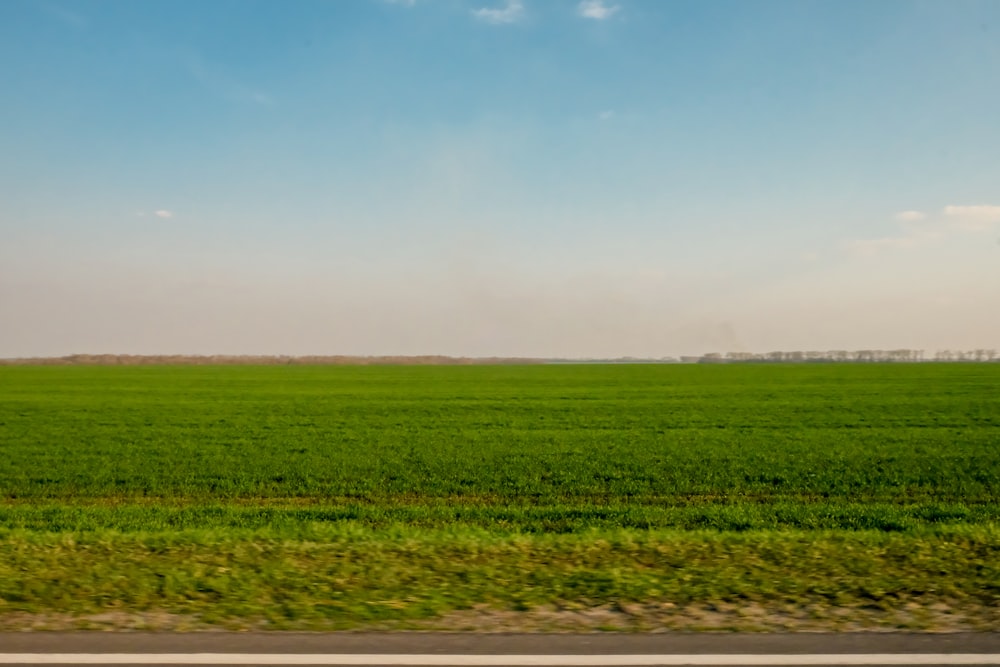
[{"x": 547, "y": 496}]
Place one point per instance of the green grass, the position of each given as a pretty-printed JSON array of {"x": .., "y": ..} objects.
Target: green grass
[
  {"x": 821, "y": 484},
  {"x": 343, "y": 575}
]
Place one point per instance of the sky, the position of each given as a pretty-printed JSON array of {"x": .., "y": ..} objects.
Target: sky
[{"x": 538, "y": 178}]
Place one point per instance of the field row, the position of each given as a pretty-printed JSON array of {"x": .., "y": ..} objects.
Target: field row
[
  {"x": 646, "y": 435},
  {"x": 502, "y": 520}
]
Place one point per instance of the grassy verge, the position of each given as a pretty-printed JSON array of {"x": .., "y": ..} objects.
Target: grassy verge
[{"x": 346, "y": 575}]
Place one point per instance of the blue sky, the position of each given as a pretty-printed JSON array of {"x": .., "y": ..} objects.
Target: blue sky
[{"x": 498, "y": 177}]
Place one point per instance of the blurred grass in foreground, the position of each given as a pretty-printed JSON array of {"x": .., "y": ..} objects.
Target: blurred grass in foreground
[{"x": 346, "y": 575}]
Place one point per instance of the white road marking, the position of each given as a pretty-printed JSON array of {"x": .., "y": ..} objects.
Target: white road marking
[{"x": 497, "y": 660}]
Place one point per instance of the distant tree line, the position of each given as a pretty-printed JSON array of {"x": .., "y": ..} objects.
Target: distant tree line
[
  {"x": 812, "y": 356},
  {"x": 256, "y": 360},
  {"x": 846, "y": 356}
]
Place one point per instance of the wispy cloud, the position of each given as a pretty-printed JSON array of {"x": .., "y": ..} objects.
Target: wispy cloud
[
  {"x": 163, "y": 213},
  {"x": 511, "y": 12},
  {"x": 65, "y": 16},
  {"x": 214, "y": 79},
  {"x": 404, "y": 3},
  {"x": 596, "y": 9},
  {"x": 910, "y": 216},
  {"x": 973, "y": 218},
  {"x": 914, "y": 231},
  {"x": 606, "y": 115},
  {"x": 870, "y": 247}
]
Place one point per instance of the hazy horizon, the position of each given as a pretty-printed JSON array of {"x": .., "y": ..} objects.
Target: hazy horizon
[{"x": 509, "y": 178}]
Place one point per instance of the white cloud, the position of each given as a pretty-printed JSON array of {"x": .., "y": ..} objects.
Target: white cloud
[
  {"x": 973, "y": 218},
  {"x": 606, "y": 115},
  {"x": 511, "y": 12},
  {"x": 163, "y": 213},
  {"x": 910, "y": 216},
  {"x": 404, "y": 3},
  {"x": 596, "y": 9}
]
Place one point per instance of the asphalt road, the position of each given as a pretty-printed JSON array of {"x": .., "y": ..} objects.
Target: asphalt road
[{"x": 216, "y": 648}]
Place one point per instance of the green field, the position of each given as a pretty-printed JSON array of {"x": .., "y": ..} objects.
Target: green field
[{"x": 314, "y": 497}]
